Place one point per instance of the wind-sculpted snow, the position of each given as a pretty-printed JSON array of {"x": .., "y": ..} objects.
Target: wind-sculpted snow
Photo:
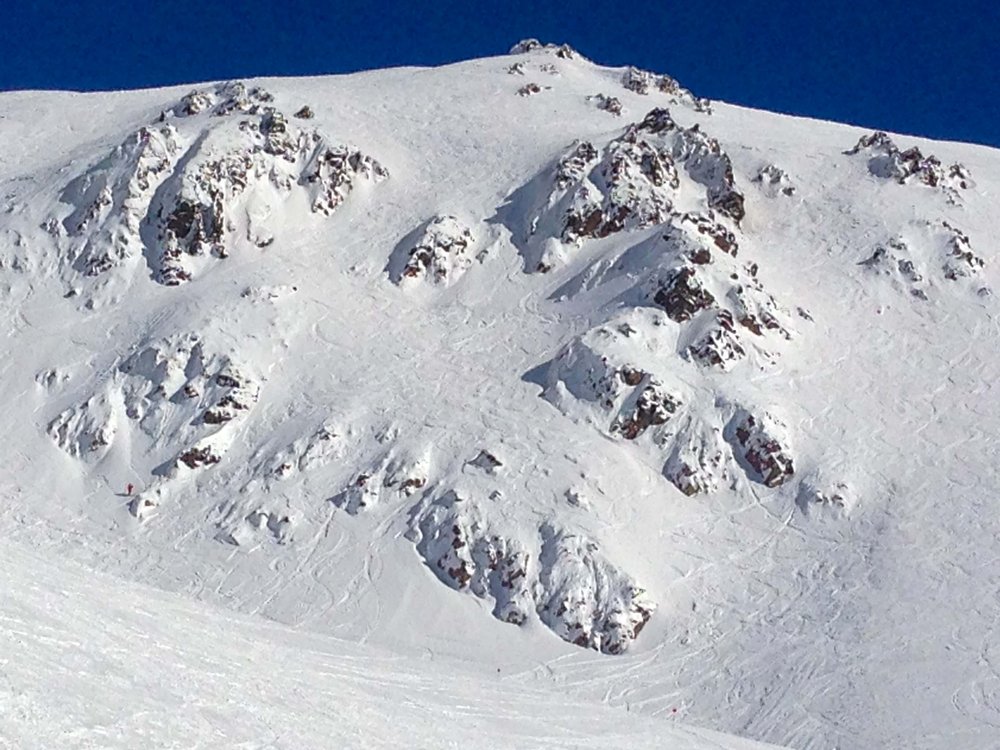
[
  {"x": 774, "y": 181},
  {"x": 310, "y": 451},
  {"x": 585, "y": 599},
  {"x": 86, "y": 431},
  {"x": 111, "y": 201},
  {"x": 207, "y": 178}
]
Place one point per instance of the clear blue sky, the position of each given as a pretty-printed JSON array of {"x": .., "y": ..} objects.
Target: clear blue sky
[{"x": 919, "y": 67}]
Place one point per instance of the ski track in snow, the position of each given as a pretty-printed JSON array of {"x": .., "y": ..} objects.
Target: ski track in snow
[{"x": 88, "y": 661}]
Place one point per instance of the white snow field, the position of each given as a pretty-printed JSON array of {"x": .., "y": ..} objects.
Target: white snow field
[
  {"x": 88, "y": 661},
  {"x": 668, "y": 410}
]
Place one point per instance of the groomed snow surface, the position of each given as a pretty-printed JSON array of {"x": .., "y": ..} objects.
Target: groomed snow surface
[
  {"x": 520, "y": 402},
  {"x": 90, "y": 661}
]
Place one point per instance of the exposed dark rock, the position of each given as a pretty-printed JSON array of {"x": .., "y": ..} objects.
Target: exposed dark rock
[
  {"x": 719, "y": 346},
  {"x": 698, "y": 461},
  {"x": 194, "y": 458},
  {"x": 609, "y": 104},
  {"x": 886, "y": 160},
  {"x": 682, "y": 296},
  {"x": 756, "y": 438},
  {"x": 653, "y": 407},
  {"x": 774, "y": 181},
  {"x": 442, "y": 252},
  {"x": 530, "y": 89}
]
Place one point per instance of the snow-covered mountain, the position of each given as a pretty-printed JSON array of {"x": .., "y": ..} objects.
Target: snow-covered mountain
[{"x": 522, "y": 364}]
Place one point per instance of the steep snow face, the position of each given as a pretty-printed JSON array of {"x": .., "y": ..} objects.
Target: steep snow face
[{"x": 523, "y": 361}]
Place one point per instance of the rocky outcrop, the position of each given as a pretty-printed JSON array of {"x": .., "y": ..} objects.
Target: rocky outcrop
[
  {"x": 960, "y": 261},
  {"x": 184, "y": 191},
  {"x": 465, "y": 553},
  {"x": 652, "y": 406},
  {"x": 887, "y": 161},
  {"x": 699, "y": 460},
  {"x": 631, "y": 187},
  {"x": 199, "y": 456},
  {"x": 703, "y": 158},
  {"x": 644, "y": 82},
  {"x": 760, "y": 441},
  {"x": 719, "y": 346},
  {"x": 212, "y": 197},
  {"x": 683, "y": 295},
  {"x": 440, "y": 253},
  {"x": 610, "y": 104},
  {"x": 86, "y": 431},
  {"x": 562, "y": 51},
  {"x": 232, "y": 97},
  {"x": 630, "y": 184},
  {"x": 332, "y": 172},
  {"x": 530, "y": 89},
  {"x": 774, "y": 181},
  {"x": 621, "y": 376},
  {"x": 585, "y": 599},
  {"x": 239, "y": 394},
  {"x": 179, "y": 376},
  {"x": 387, "y": 475},
  {"x": 111, "y": 201},
  {"x": 929, "y": 252},
  {"x": 174, "y": 392},
  {"x": 893, "y": 260},
  {"x": 561, "y": 578}
]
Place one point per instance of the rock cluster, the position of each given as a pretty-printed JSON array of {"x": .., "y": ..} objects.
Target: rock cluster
[
  {"x": 888, "y": 161},
  {"x": 634, "y": 182},
  {"x": 759, "y": 441},
  {"x": 441, "y": 252},
  {"x": 610, "y": 104},
  {"x": 561, "y": 577},
  {"x": 915, "y": 261},
  {"x": 182, "y": 198},
  {"x": 643, "y": 82},
  {"x": 563, "y": 51}
]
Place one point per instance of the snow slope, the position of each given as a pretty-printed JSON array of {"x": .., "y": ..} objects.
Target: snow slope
[
  {"x": 88, "y": 662},
  {"x": 524, "y": 363}
]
